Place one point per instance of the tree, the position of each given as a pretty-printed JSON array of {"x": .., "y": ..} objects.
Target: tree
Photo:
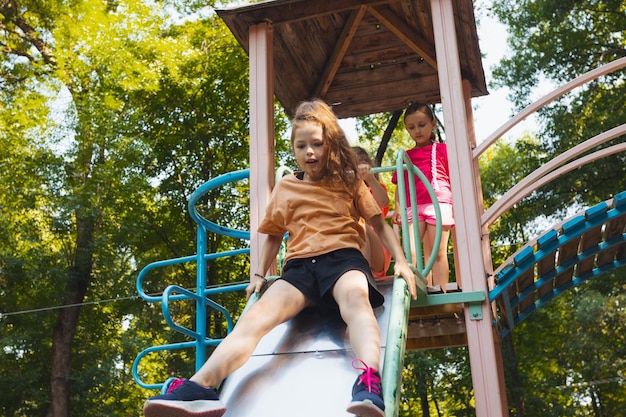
[
  {"x": 105, "y": 181},
  {"x": 554, "y": 42}
]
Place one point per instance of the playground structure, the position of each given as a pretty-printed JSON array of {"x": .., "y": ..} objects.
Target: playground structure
[{"x": 413, "y": 52}]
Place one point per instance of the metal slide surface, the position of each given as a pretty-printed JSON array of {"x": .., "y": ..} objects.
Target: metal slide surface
[{"x": 302, "y": 368}]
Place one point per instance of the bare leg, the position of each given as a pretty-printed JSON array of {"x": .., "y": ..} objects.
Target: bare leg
[
  {"x": 281, "y": 302},
  {"x": 441, "y": 271},
  {"x": 351, "y": 293},
  {"x": 412, "y": 239},
  {"x": 422, "y": 232}
]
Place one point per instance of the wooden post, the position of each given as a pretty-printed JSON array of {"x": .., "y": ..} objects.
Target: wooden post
[
  {"x": 261, "y": 132},
  {"x": 484, "y": 351}
]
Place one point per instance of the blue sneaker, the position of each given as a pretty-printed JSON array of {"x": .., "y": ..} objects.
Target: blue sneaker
[
  {"x": 367, "y": 395},
  {"x": 185, "y": 398}
]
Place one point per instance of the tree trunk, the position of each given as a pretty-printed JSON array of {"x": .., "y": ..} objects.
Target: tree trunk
[
  {"x": 393, "y": 122},
  {"x": 424, "y": 402},
  {"x": 80, "y": 275},
  {"x": 516, "y": 389}
]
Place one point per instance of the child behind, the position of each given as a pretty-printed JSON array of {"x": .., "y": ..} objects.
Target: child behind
[
  {"x": 431, "y": 158},
  {"x": 320, "y": 207},
  {"x": 374, "y": 251}
]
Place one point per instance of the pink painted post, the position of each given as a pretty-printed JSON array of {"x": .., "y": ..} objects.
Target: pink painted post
[
  {"x": 485, "y": 357},
  {"x": 261, "y": 132}
]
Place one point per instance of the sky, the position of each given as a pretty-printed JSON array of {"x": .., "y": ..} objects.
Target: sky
[{"x": 493, "y": 110}]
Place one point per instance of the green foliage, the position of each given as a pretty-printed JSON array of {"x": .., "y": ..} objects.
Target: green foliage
[
  {"x": 552, "y": 43},
  {"x": 557, "y": 40},
  {"x": 580, "y": 357},
  {"x": 111, "y": 115},
  {"x": 561, "y": 359},
  {"x": 437, "y": 382}
]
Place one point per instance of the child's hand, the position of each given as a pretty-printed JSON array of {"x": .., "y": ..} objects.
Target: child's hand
[
  {"x": 402, "y": 268},
  {"x": 397, "y": 217},
  {"x": 256, "y": 284},
  {"x": 366, "y": 173}
]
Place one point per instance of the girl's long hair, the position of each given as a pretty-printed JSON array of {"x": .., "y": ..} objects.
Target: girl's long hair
[{"x": 341, "y": 162}]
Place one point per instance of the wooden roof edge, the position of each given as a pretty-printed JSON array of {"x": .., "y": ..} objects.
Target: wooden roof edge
[{"x": 286, "y": 11}]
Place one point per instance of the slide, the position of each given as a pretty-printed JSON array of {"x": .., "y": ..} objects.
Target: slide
[{"x": 302, "y": 368}]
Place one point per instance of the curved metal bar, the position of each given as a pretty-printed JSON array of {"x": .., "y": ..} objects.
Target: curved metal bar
[
  {"x": 153, "y": 349},
  {"x": 165, "y": 308},
  {"x": 153, "y": 265},
  {"x": 185, "y": 259},
  {"x": 281, "y": 172},
  {"x": 402, "y": 159},
  {"x": 583, "y": 79},
  {"x": 542, "y": 175},
  {"x": 205, "y": 188},
  {"x": 186, "y": 294}
]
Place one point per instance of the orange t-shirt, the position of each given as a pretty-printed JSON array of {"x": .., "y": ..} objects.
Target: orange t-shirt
[{"x": 319, "y": 219}]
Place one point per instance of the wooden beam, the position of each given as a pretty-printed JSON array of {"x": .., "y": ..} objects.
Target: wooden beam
[
  {"x": 261, "y": 134},
  {"x": 341, "y": 47},
  {"x": 399, "y": 28},
  {"x": 281, "y": 12}
]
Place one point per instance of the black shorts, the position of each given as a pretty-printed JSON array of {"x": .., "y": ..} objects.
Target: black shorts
[{"x": 315, "y": 276}]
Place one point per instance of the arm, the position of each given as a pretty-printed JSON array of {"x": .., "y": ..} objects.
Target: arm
[
  {"x": 378, "y": 191},
  {"x": 268, "y": 255},
  {"x": 397, "y": 216},
  {"x": 389, "y": 239}
]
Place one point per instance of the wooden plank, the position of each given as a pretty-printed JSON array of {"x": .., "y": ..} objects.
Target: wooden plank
[
  {"x": 416, "y": 313},
  {"x": 544, "y": 266},
  {"x": 621, "y": 252},
  {"x": 439, "y": 327},
  {"x": 437, "y": 342},
  {"x": 588, "y": 240},
  {"x": 410, "y": 37},
  {"x": 512, "y": 292},
  {"x": 390, "y": 55},
  {"x": 525, "y": 282},
  {"x": 612, "y": 228},
  {"x": 371, "y": 44},
  {"x": 380, "y": 91},
  {"x": 292, "y": 11},
  {"x": 502, "y": 315},
  {"x": 447, "y": 332},
  {"x": 409, "y": 71},
  {"x": 341, "y": 47},
  {"x": 566, "y": 252}
]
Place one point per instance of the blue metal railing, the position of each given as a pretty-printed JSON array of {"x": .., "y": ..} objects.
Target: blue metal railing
[{"x": 202, "y": 293}]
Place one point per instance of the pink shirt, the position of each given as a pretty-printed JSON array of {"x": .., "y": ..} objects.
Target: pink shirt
[
  {"x": 422, "y": 158},
  {"x": 319, "y": 219}
]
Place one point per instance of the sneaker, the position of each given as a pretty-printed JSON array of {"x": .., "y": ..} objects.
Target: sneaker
[
  {"x": 367, "y": 396},
  {"x": 185, "y": 398}
]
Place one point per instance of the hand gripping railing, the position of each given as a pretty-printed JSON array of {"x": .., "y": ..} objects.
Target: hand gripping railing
[{"x": 201, "y": 295}]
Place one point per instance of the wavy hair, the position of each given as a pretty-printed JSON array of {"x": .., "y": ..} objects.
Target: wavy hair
[{"x": 341, "y": 162}]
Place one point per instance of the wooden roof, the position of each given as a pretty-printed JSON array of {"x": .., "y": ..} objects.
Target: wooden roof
[{"x": 361, "y": 56}]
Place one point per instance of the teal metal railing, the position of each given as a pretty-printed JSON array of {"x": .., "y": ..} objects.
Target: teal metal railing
[{"x": 201, "y": 296}]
